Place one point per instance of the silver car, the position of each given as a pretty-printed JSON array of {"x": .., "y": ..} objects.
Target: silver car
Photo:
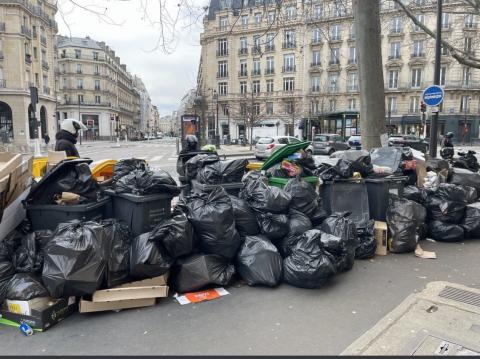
[{"x": 267, "y": 145}]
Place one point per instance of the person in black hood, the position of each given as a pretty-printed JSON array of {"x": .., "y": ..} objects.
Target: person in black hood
[{"x": 67, "y": 136}]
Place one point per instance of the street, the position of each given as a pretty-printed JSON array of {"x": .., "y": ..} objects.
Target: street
[{"x": 251, "y": 320}]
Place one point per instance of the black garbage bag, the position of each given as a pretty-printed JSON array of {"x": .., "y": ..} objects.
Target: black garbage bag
[
  {"x": 24, "y": 286},
  {"x": 127, "y": 166},
  {"x": 422, "y": 231},
  {"x": 451, "y": 192},
  {"x": 75, "y": 259},
  {"x": 148, "y": 257},
  {"x": 471, "y": 221},
  {"x": 445, "y": 232},
  {"x": 439, "y": 209},
  {"x": 319, "y": 215},
  {"x": 274, "y": 226},
  {"x": 464, "y": 177},
  {"x": 213, "y": 220},
  {"x": 337, "y": 250},
  {"x": 176, "y": 235},
  {"x": 202, "y": 270},
  {"x": 343, "y": 169},
  {"x": 298, "y": 224},
  {"x": 360, "y": 161},
  {"x": 245, "y": 219},
  {"x": 308, "y": 266},
  {"x": 10, "y": 244},
  {"x": 68, "y": 176},
  {"x": 367, "y": 244},
  {"x": 7, "y": 271},
  {"x": 145, "y": 182},
  {"x": 195, "y": 163},
  {"x": 415, "y": 194},
  {"x": 28, "y": 258},
  {"x": 119, "y": 240},
  {"x": 340, "y": 226},
  {"x": 404, "y": 218},
  {"x": 278, "y": 171},
  {"x": 264, "y": 198},
  {"x": 230, "y": 171},
  {"x": 304, "y": 196},
  {"x": 259, "y": 263},
  {"x": 308, "y": 166}
]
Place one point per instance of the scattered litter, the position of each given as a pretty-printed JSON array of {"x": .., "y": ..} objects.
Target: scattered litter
[
  {"x": 201, "y": 296},
  {"x": 419, "y": 252}
]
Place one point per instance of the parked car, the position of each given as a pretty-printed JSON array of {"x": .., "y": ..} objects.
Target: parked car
[
  {"x": 326, "y": 144},
  {"x": 355, "y": 142},
  {"x": 267, "y": 145},
  {"x": 411, "y": 141}
]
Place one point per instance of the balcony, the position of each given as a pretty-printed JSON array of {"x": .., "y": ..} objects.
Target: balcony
[
  {"x": 334, "y": 62},
  {"x": 269, "y": 48},
  {"x": 333, "y": 89},
  {"x": 26, "y": 31},
  {"x": 289, "y": 45},
  {"x": 43, "y": 40},
  {"x": 256, "y": 49},
  {"x": 446, "y": 27},
  {"x": 270, "y": 72},
  {"x": 289, "y": 69},
  {"x": 243, "y": 51},
  {"x": 2, "y": 27},
  {"x": 394, "y": 57},
  {"x": 46, "y": 90},
  {"x": 471, "y": 85},
  {"x": 45, "y": 65},
  {"x": 79, "y": 72},
  {"x": 243, "y": 73},
  {"x": 316, "y": 42},
  {"x": 335, "y": 38},
  {"x": 315, "y": 89},
  {"x": 28, "y": 58},
  {"x": 222, "y": 53},
  {"x": 3, "y": 83},
  {"x": 222, "y": 74},
  {"x": 470, "y": 26},
  {"x": 396, "y": 31},
  {"x": 96, "y": 73},
  {"x": 256, "y": 72},
  {"x": 83, "y": 103},
  {"x": 316, "y": 64},
  {"x": 413, "y": 110},
  {"x": 417, "y": 55},
  {"x": 79, "y": 87},
  {"x": 352, "y": 88},
  {"x": 352, "y": 61}
]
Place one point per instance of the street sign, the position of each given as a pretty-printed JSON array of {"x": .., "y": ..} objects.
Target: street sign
[{"x": 433, "y": 95}]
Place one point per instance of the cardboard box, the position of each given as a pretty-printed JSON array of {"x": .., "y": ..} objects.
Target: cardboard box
[
  {"x": 381, "y": 236},
  {"x": 25, "y": 307},
  {"x": 129, "y": 295},
  {"x": 42, "y": 317},
  {"x": 8, "y": 163},
  {"x": 13, "y": 215}
]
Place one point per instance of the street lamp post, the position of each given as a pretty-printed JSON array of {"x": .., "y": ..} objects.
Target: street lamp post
[
  {"x": 79, "y": 118},
  {"x": 217, "y": 132},
  {"x": 465, "y": 127}
]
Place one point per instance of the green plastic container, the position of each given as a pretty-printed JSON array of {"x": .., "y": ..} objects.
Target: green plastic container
[{"x": 281, "y": 182}]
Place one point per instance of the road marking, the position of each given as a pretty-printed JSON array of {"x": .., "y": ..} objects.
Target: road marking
[
  {"x": 172, "y": 159},
  {"x": 156, "y": 158}
]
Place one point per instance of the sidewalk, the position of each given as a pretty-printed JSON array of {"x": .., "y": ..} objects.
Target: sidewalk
[{"x": 235, "y": 150}]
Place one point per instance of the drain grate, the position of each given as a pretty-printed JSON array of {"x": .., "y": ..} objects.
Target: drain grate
[{"x": 460, "y": 295}]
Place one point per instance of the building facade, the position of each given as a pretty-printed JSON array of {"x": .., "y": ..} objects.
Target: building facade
[
  {"x": 95, "y": 86},
  {"x": 283, "y": 69},
  {"x": 27, "y": 57},
  {"x": 145, "y": 103}
]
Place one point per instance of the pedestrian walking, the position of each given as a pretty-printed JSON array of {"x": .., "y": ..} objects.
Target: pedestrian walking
[{"x": 46, "y": 138}]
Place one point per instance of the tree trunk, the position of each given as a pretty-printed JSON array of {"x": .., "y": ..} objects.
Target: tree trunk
[{"x": 372, "y": 94}]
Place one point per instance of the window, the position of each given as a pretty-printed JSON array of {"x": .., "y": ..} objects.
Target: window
[
  {"x": 417, "y": 49},
  {"x": 445, "y": 51},
  {"x": 352, "y": 55},
  {"x": 352, "y": 81},
  {"x": 338, "y": 8},
  {"x": 256, "y": 44},
  {"x": 318, "y": 11},
  {"x": 289, "y": 63},
  {"x": 334, "y": 56},
  {"x": 97, "y": 85},
  {"x": 467, "y": 75},
  {"x": 222, "y": 88},
  {"x": 289, "y": 84},
  {"x": 421, "y": 19},
  {"x": 290, "y": 12},
  {"x": 445, "y": 20},
  {"x": 65, "y": 83},
  {"x": 95, "y": 55},
  {"x": 256, "y": 67},
  {"x": 289, "y": 109},
  {"x": 78, "y": 54},
  {"x": 314, "y": 108},
  {"x": 443, "y": 75},
  {"x": 392, "y": 105},
  {"x": 97, "y": 70},
  {"x": 289, "y": 38},
  {"x": 245, "y": 21},
  {"x": 256, "y": 109},
  {"x": 352, "y": 104},
  {"x": 256, "y": 87},
  {"x": 269, "y": 108},
  {"x": 316, "y": 58},
  {"x": 270, "y": 65},
  {"x": 270, "y": 42},
  {"x": 316, "y": 36},
  {"x": 333, "y": 83},
  {"x": 332, "y": 105},
  {"x": 469, "y": 20},
  {"x": 258, "y": 18},
  {"x": 223, "y": 22},
  {"x": 80, "y": 98},
  {"x": 225, "y": 110},
  {"x": 243, "y": 109},
  {"x": 335, "y": 32},
  {"x": 222, "y": 69},
  {"x": 35, "y": 52},
  {"x": 97, "y": 99},
  {"x": 394, "y": 50},
  {"x": 79, "y": 84},
  {"x": 393, "y": 79},
  {"x": 352, "y": 34},
  {"x": 243, "y": 87},
  {"x": 222, "y": 47},
  {"x": 416, "y": 78},
  {"x": 465, "y": 104},
  {"x": 396, "y": 25},
  {"x": 414, "y": 104},
  {"x": 271, "y": 17},
  {"x": 315, "y": 84},
  {"x": 269, "y": 86},
  {"x": 243, "y": 68},
  {"x": 79, "y": 68},
  {"x": 243, "y": 45},
  {"x": 468, "y": 45}
]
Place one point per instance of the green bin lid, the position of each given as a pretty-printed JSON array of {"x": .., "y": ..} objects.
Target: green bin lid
[{"x": 282, "y": 153}]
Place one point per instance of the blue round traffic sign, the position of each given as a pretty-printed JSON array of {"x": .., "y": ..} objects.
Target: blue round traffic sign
[{"x": 433, "y": 95}]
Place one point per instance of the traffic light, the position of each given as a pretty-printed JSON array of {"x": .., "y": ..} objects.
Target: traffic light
[{"x": 423, "y": 107}]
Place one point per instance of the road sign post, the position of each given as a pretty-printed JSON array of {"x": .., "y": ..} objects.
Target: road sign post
[{"x": 433, "y": 96}]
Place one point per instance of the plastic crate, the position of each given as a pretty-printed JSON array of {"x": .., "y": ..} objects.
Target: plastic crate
[
  {"x": 230, "y": 188},
  {"x": 141, "y": 213},
  {"x": 48, "y": 216},
  {"x": 282, "y": 182},
  {"x": 379, "y": 190},
  {"x": 347, "y": 196}
]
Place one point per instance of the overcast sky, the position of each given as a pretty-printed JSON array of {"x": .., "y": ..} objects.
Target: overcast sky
[{"x": 133, "y": 36}]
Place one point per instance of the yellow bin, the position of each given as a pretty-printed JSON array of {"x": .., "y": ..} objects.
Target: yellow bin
[
  {"x": 102, "y": 168},
  {"x": 254, "y": 166}
]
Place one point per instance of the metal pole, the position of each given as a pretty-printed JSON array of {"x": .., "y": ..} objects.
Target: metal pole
[
  {"x": 436, "y": 80},
  {"x": 79, "y": 118}
]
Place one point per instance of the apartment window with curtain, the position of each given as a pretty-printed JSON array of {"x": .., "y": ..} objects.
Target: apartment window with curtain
[
  {"x": 290, "y": 12},
  {"x": 222, "y": 69},
  {"x": 352, "y": 104},
  {"x": 97, "y": 85},
  {"x": 414, "y": 104},
  {"x": 244, "y": 21},
  {"x": 258, "y": 18},
  {"x": 465, "y": 104},
  {"x": 271, "y": 17},
  {"x": 334, "y": 56},
  {"x": 335, "y": 32},
  {"x": 466, "y": 77},
  {"x": 416, "y": 78},
  {"x": 392, "y": 104},
  {"x": 270, "y": 42},
  {"x": 269, "y": 86},
  {"x": 393, "y": 79},
  {"x": 256, "y": 87},
  {"x": 243, "y": 68},
  {"x": 352, "y": 55},
  {"x": 469, "y": 20},
  {"x": 352, "y": 81},
  {"x": 243, "y": 87},
  {"x": 223, "y": 21},
  {"x": 394, "y": 50},
  {"x": 222, "y": 88},
  {"x": 289, "y": 84},
  {"x": 332, "y": 82},
  {"x": 421, "y": 19},
  {"x": 97, "y": 99},
  {"x": 270, "y": 65},
  {"x": 318, "y": 10},
  {"x": 418, "y": 48},
  {"x": 396, "y": 25},
  {"x": 256, "y": 67},
  {"x": 332, "y": 105},
  {"x": 445, "y": 20},
  {"x": 443, "y": 75},
  {"x": 316, "y": 58},
  {"x": 269, "y": 108},
  {"x": 222, "y": 47},
  {"x": 316, "y": 35},
  {"x": 289, "y": 38},
  {"x": 79, "y": 84},
  {"x": 288, "y": 62},
  {"x": 315, "y": 84},
  {"x": 468, "y": 45},
  {"x": 65, "y": 83}
]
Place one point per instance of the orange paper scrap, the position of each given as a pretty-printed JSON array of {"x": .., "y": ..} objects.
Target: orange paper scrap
[{"x": 197, "y": 297}]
